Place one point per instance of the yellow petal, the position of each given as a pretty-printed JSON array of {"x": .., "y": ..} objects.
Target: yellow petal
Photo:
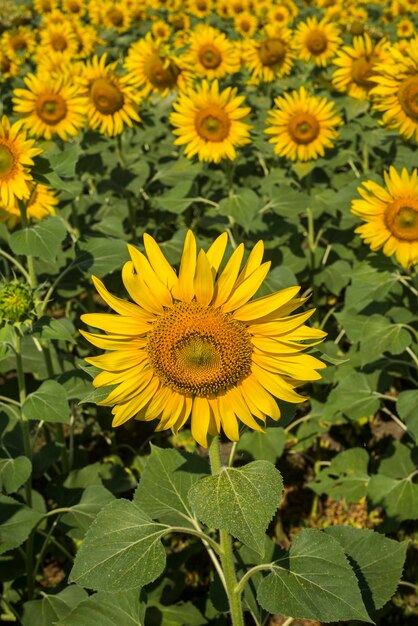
[
  {"x": 283, "y": 326},
  {"x": 157, "y": 404},
  {"x": 229, "y": 421},
  {"x": 247, "y": 288},
  {"x": 276, "y": 385},
  {"x": 241, "y": 409},
  {"x": 203, "y": 282},
  {"x": 253, "y": 262},
  {"x": 124, "y": 412},
  {"x": 139, "y": 291},
  {"x": 185, "y": 289},
  {"x": 226, "y": 280},
  {"x": 114, "y": 378},
  {"x": 264, "y": 306},
  {"x": 159, "y": 263},
  {"x": 118, "y": 304},
  {"x": 118, "y": 361},
  {"x": 145, "y": 271},
  {"x": 251, "y": 388},
  {"x": 300, "y": 367},
  {"x": 200, "y": 420},
  {"x": 118, "y": 324},
  {"x": 111, "y": 342},
  {"x": 130, "y": 387},
  {"x": 216, "y": 251},
  {"x": 184, "y": 415}
]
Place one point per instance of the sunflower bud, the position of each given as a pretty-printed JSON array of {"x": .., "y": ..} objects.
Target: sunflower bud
[{"x": 16, "y": 302}]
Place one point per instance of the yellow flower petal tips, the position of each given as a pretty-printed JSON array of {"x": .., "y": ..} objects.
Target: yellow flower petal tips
[{"x": 196, "y": 346}]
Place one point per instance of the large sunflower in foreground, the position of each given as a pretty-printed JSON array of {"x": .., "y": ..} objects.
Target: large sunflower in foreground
[
  {"x": 16, "y": 157},
  {"x": 193, "y": 345},
  {"x": 302, "y": 126},
  {"x": 112, "y": 102},
  {"x": 317, "y": 41},
  {"x": 396, "y": 90},
  {"x": 391, "y": 215},
  {"x": 211, "y": 55},
  {"x": 50, "y": 106},
  {"x": 210, "y": 122},
  {"x": 356, "y": 64}
]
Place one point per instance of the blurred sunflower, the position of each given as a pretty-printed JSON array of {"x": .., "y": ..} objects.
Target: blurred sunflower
[
  {"x": 59, "y": 37},
  {"x": 270, "y": 57},
  {"x": 16, "y": 157},
  {"x": 317, "y": 41},
  {"x": 199, "y": 8},
  {"x": 161, "y": 30},
  {"x": 57, "y": 64},
  {"x": 356, "y": 65},
  {"x": 42, "y": 202},
  {"x": 246, "y": 24},
  {"x": 302, "y": 126},
  {"x": 76, "y": 8},
  {"x": 43, "y": 7},
  {"x": 111, "y": 100},
  {"x": 115, "y": 14},
  {"x": 194, "y": 346},
  {"x": 87, "y": 39},
  {"x": 18, "y": 43},
  {"x": 279, "y": 15},
  {"x": 50, "y": 106},
  {"x": 391, "y": 215},
  {"x": 209, "y": 122},
  {"x": 211, "y": 55},
  {"x": 396, "y": 90},
  {"x": 405, "y": 28},
  {"x": 8, "y": 67},
  {"x": 152, "y": 68}
]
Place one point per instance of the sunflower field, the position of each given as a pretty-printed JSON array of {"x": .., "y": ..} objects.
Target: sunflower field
[{"x": 208, "y": 312}]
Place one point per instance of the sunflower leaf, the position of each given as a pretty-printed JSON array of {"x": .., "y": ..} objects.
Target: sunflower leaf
[
  {"x": 345, "y": 477},
  {"x": 122, "y": 550},
  {"x": 48, "y": 403},
  {"x": 239, "y": 500},
  {"x": 165, "y": 483},
  {"x": 314, "y": 580},
  {"x": 42, "y": 240},
  {"x": 107, "y": 609}
]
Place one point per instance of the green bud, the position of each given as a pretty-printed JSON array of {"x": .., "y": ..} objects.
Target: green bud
[{"x": 16, "y": 302}]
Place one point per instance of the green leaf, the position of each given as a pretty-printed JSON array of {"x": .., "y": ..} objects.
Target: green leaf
[
  {"x": 48, "y": 403},
  {"x": 241, "y": 501},
  {"x": 81, "y": 516},
  {"x": 42, "y": 240},
  {"x": 63, "y": 162},
  {"x": 16, "y": 523},
  {"x": 267, "y": 446},
  {"x": 101, "y": 255},
  {"x": 14, "y": 473},
  {"x": 181, "y": 614},
  {"x": 107, "y": 609},
  {"x": 341, "y": 400},
  {"x": 52, "y": 607},
  {"x": 346, "y": 476},
  {"x": 407, "y": 407},
  {"x": 392, "y": 488},
  {"x": 377, "y": 562},
  {"x": 174, "y": 200},
  {"x": 243, "y": 207},
  {"x": 173, "y": 173},
  {"x": 49, "y": 328},
  {"x": 314, "y": 580},
  {"x": 165, "y": 482},
  {"x": 379, "y": 335},
  {"x": 122, "y": 550},
  {"x": 96, "y": 395},
  {"x": 368, "y": 285}
]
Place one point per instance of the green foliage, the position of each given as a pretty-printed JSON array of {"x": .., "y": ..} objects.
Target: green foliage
[
  {"x": 43, "y": 240},
  {"x": 16, "y": 522},
  {"x": 14, "y": 473},
  {"x": 241, "y": 501},
  {"x": 345, "y": 477},
  {"x": 48, "y": 403}
]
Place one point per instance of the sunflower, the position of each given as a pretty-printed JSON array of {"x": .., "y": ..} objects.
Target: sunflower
[
  {"x": 199, "y": 8},
  {"x": 76, "y": 8},
  {"x": 50, "y": 106},
  {"x": 59, "y": 37},
  {"x": 279, "y": 15},
  {"x": 161, "y": 30},
  {"x": 57, "y": 64},
  {"x": 210, "y": 122},
  {"x": 45, "y": 6},
  {"x": 16, "y": 154},
  {"x": 42, "y": 202},
  {"x": 194, "y": 345},
  {"x": 211, "y": 54},
  {"x": 302, "y": 126},
  {"x": 115, "y": 14},
  {"x": 317, "y": 41},
  {"x": 356, "y": 65},
  {"x": 152, "y": 68},
  {"x": 391, "y": 215},
  {"x": 270, "y": 57},
  {"x": 18, "y": 43},
  {"x": 8, "y": 66},
  {"x": 112, "y": 101},
  {"x": 246, "y": 24},
  {"x": 405, "y": 28},
  {"x": 396, "y": 90}
]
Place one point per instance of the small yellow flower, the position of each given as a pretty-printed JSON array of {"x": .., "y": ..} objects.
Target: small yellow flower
[{"x": 317, "y": 41}]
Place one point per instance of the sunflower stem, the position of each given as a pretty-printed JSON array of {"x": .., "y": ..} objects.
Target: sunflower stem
[
  {"x": 28, "y": 453},
  {"x": 365, "y": 158},
  {"x": 31, "y": 265},
  {"x": 227, "y": 556}
]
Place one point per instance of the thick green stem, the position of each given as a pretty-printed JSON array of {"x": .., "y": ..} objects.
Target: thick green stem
[
  {"x": 28, "y": 453},
  {"x": 227, "y": 557}
]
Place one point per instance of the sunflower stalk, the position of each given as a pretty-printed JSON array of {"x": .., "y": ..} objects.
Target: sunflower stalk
[{"x": 227, "y": 556}]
